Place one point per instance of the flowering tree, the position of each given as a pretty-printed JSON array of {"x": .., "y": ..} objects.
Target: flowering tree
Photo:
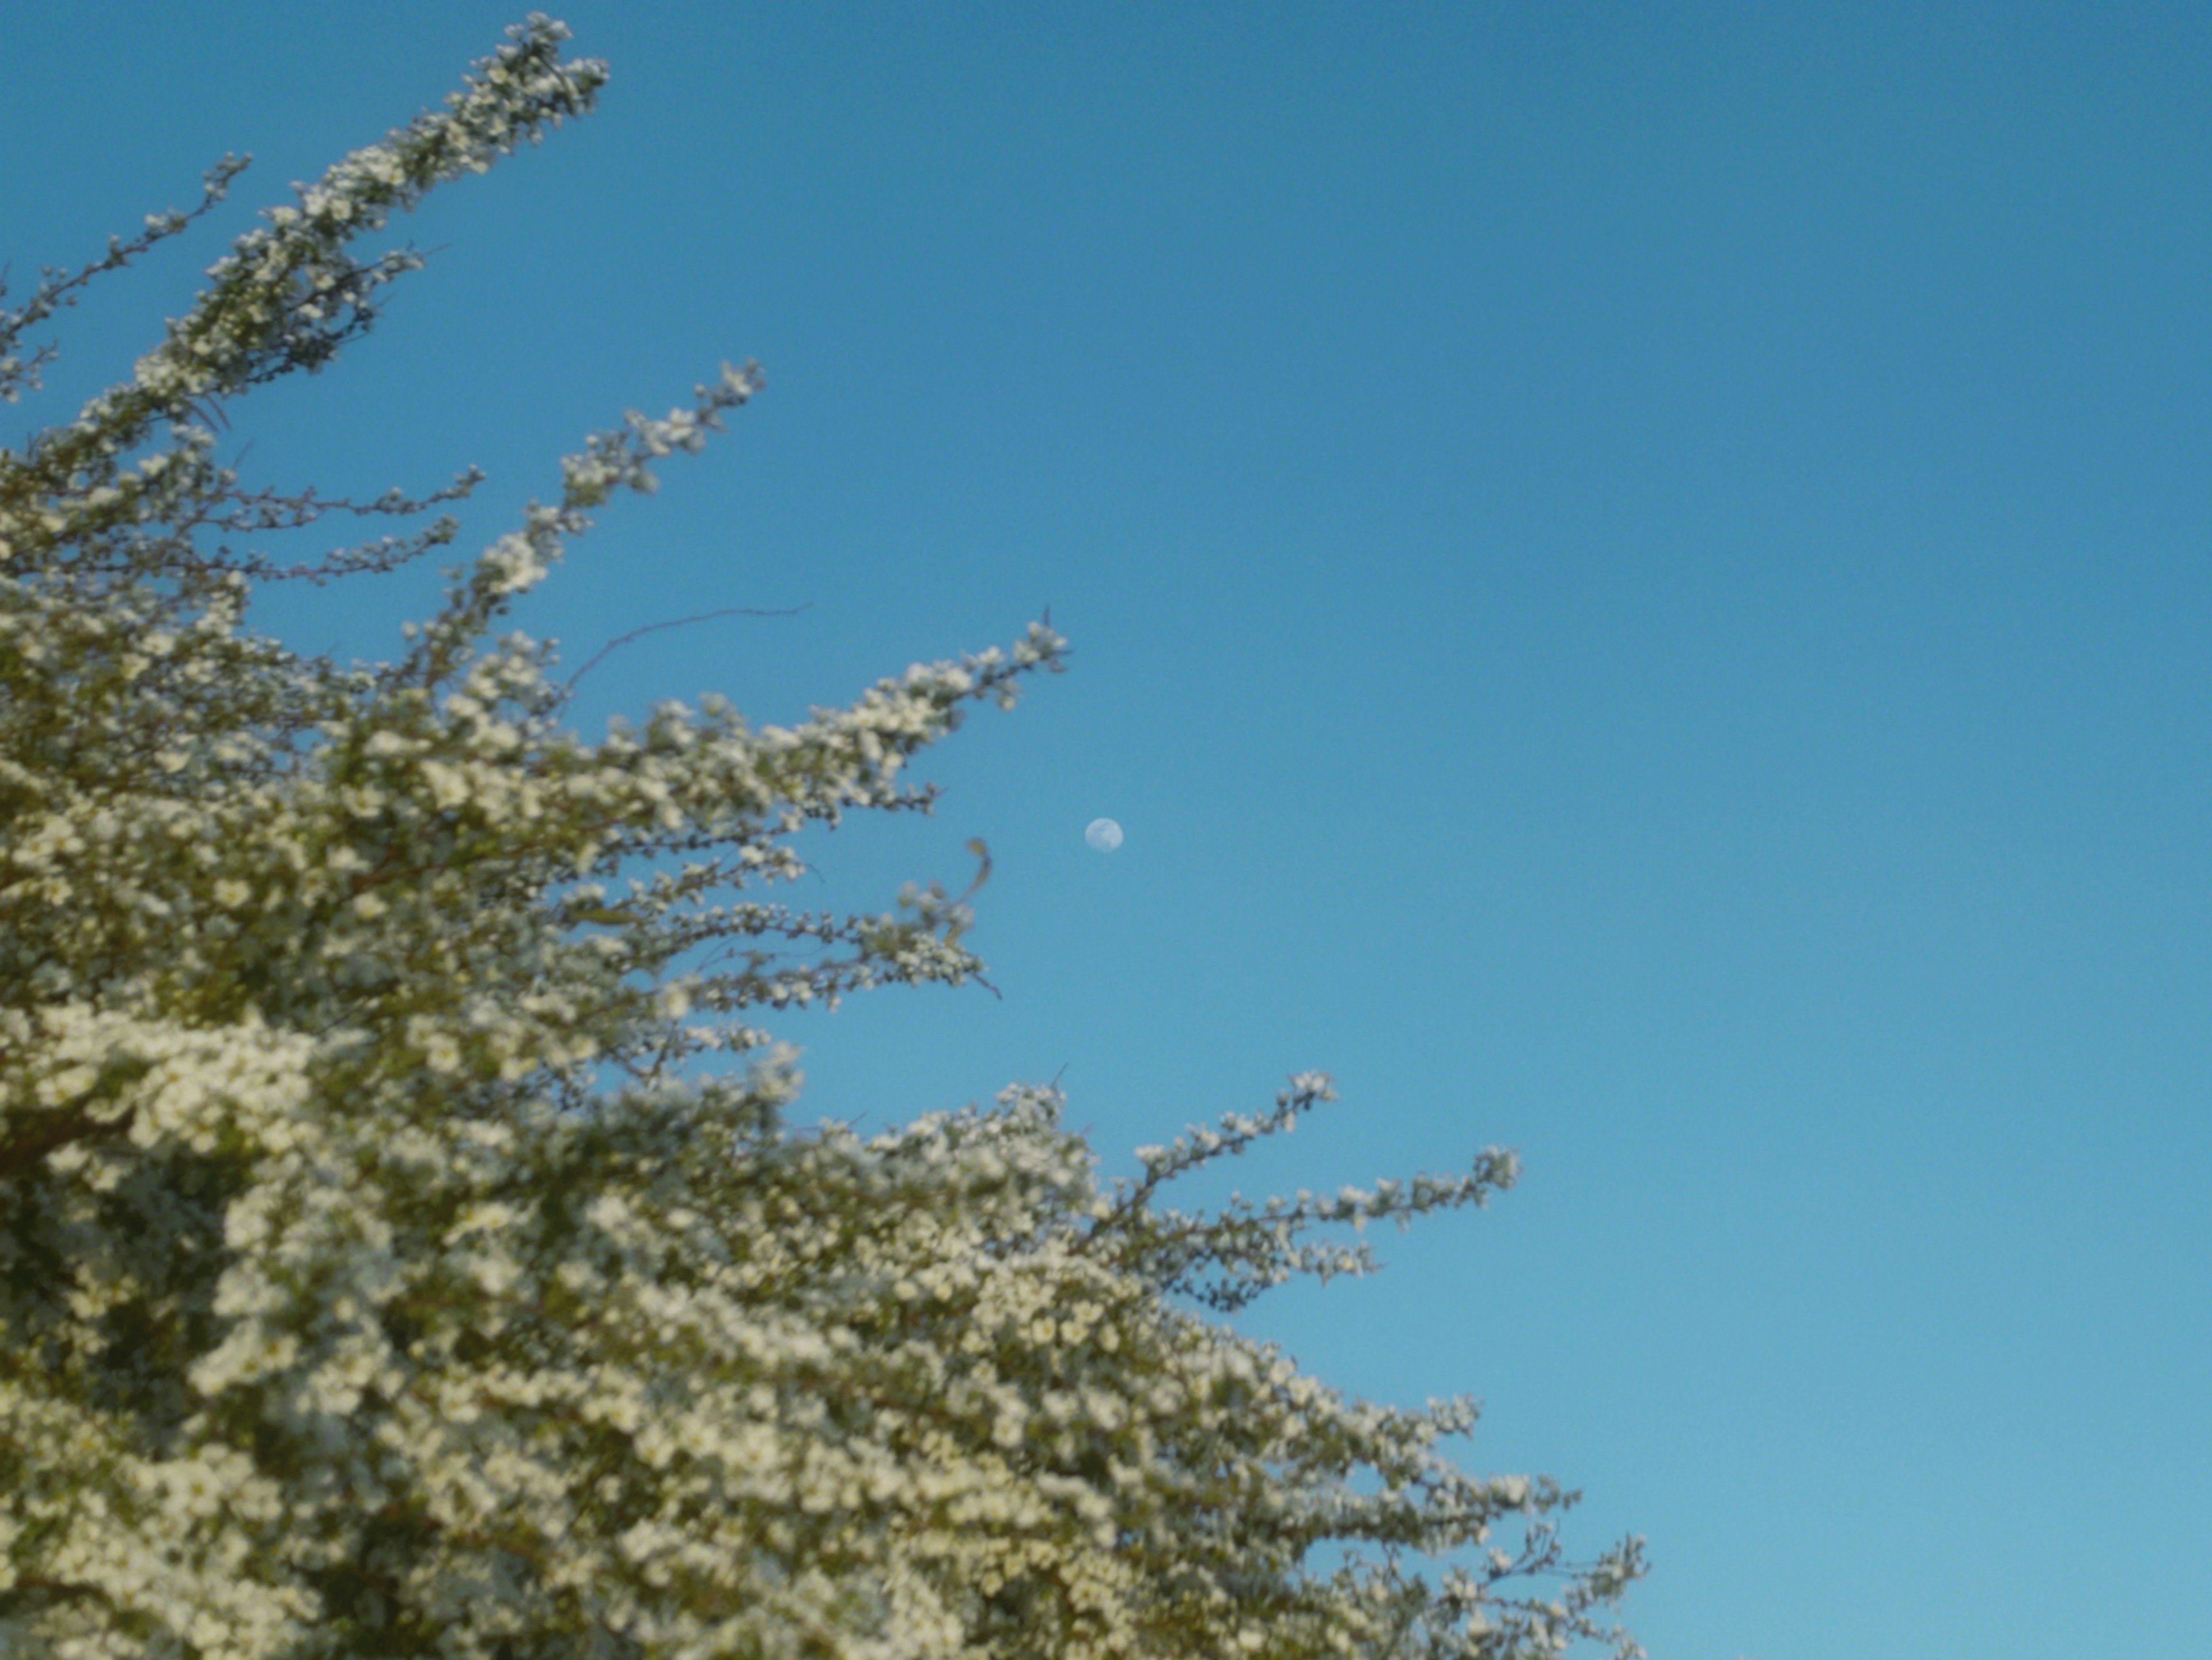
[{"x": 376, "y": 1275}]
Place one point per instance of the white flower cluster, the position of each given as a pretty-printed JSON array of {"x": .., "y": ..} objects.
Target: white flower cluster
[{"x": 346, "y": 1310}]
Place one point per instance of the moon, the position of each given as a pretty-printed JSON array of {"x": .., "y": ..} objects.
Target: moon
[{"x": 1103, "y": 834}]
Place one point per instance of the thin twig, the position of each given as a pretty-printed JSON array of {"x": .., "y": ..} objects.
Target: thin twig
[{"x": 570, "y": 684}]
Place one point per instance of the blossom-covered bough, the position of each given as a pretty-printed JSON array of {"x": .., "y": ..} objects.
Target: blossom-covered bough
[{"x": 377, "y": 1279}]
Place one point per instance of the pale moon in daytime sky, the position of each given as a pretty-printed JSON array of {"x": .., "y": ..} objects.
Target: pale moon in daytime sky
[{"x": 1103, "y": 834}]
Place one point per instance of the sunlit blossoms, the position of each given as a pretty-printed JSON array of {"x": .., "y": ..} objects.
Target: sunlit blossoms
[{"x": 401, "y": 1248}]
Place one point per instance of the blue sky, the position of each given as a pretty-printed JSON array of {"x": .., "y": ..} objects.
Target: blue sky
[{"x": 1639, "y": 583}]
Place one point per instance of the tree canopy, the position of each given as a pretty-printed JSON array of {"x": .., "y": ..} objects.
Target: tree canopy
[{"x": 403, "y": 1249}]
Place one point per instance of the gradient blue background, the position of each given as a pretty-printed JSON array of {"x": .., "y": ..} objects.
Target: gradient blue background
[{"x": 1639, "y": 585}]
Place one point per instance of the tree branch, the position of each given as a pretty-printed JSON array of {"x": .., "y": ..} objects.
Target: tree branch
[{"x": 593, "y": 662}]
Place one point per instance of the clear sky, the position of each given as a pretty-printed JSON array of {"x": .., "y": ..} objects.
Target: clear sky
[{"x": 1638, "y": 578}]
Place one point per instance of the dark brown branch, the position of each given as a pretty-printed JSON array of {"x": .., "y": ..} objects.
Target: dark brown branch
[{"x": 19, "y": 1152}]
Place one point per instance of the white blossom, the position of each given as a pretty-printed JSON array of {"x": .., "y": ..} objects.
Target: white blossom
[{"x": 378, "y": 1275}]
